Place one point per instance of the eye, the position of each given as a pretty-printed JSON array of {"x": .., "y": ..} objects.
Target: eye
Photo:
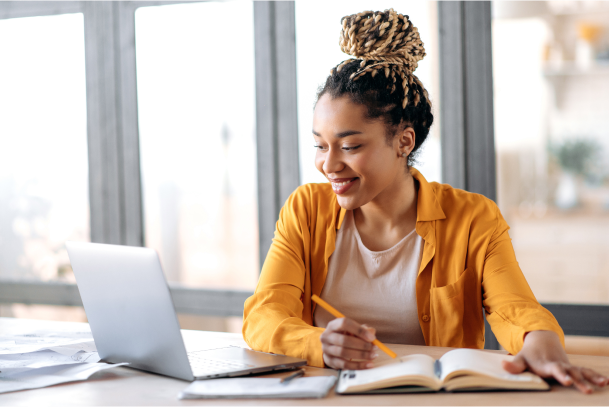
[
  {"x": 351, "y": 148},
  {"x": 317, "y": 146}
]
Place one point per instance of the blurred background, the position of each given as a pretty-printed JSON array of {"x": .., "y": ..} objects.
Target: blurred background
[{"x": 197, "y": 108}]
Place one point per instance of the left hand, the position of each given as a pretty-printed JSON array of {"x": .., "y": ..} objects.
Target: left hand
[{"x": 543, "y": 354}]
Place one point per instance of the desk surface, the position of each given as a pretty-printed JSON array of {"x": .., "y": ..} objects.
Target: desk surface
[{"x": 125, "y": 386}]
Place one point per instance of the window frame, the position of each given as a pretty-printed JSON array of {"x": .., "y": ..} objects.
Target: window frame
[{"x": 115, "y": 191}]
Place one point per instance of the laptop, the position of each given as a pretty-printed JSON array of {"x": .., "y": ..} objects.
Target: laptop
[{"x": 132, "y": 318}]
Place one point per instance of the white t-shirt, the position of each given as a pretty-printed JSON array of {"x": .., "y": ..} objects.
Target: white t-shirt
[{"x": 374, "y": 288}]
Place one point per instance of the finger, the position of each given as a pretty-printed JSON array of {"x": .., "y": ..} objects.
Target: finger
[
  {"x": 346, "y": 353},
  {"x": 593, "y": 377},
  {"x": 371, "y": 329},
  {"x": 515, "y": 366},
  {"x": 559, "y": 372},
  {"x": 349, "y": 326},
  {"x": 339, "y": 363},
  {"x": 579, "y": 381},
  {"x": 351, "y": 342},
  {"x": 352, "y": 327}
]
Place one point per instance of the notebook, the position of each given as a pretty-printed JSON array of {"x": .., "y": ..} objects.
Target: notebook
[
  {"x": 457, "y": 370},
  {"x": 254, "y": 387}
]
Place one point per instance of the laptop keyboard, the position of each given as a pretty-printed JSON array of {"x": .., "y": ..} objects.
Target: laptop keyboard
[{"x": 203, "y": 366}]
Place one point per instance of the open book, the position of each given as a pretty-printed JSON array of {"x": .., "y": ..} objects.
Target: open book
[{"x": 459, "y": 369}]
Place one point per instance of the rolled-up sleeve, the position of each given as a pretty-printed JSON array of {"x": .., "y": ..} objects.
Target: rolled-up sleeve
[
  {"x": 273, "y": 317},
  {"x": 511, "y": 308}
]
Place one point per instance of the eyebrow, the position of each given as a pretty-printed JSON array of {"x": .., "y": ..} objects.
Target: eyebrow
[{"x": 342, "y": 134}]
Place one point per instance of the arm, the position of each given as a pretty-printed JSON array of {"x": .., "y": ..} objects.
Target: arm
[
  {"x": 511, "y": 308},
  {"x": 273, "y": 316},
  {"x": 521, "y": 324}
]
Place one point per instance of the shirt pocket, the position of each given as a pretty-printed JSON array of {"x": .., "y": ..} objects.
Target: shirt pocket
[{"x": 456, "y": 310}]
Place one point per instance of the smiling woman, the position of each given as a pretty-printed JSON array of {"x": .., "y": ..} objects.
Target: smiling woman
[{"x": 408, "y": 261}]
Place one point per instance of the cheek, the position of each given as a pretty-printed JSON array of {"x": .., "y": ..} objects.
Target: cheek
[
  {"x": 372, "y": 166},
  {"x": 376, "y": 167}
]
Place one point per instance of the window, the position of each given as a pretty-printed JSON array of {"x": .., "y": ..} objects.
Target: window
[
  {"x": 196, "y": 106},
  {"x": 318, "y": 51},
  {"x": 551, "y": 82},
  {"x": 552, "y": 147},
  {"x": 43, "y": 149}
]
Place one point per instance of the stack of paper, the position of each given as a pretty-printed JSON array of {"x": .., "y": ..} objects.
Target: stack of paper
[{"x": 36, "y": 359}]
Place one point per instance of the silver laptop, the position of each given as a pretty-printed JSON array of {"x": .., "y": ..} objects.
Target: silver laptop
[{"x": 132, "y": 318}]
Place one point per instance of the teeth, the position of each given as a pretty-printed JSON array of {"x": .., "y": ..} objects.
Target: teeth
[{"x": 340, "y": 184}]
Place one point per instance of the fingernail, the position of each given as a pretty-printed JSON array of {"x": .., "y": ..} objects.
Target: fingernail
[
  {"x": 375, "y": 355},
  {"x": 600, "y": 380},
  {"x": 568, "y": 379},
  {"x": 369, "y": 365}
]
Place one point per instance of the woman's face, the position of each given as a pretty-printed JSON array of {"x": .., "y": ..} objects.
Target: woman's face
[{"x": 353, "y": 154}]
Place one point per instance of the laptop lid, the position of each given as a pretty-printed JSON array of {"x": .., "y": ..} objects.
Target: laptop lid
[{"x": 129, "y": 307}]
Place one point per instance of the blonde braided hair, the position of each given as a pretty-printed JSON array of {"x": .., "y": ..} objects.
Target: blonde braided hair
[
  {"x": 384, "y": 42},
  {"x": 387, "y": 43}
]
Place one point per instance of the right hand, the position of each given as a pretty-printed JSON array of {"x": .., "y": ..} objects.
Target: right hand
[{"x": 348, "y": 345}]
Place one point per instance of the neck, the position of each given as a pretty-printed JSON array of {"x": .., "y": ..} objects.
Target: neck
[{"x": 396, "y": 206}]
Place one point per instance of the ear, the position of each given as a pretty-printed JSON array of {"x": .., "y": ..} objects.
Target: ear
[{"x": 405, "y": 141}]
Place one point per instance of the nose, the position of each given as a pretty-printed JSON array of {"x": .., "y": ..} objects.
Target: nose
[{"x": 333, "y": 163}]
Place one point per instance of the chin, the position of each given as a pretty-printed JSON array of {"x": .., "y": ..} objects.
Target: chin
[{"x": 348, "y": 203}]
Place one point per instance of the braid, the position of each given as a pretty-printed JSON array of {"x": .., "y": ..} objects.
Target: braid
[
  {"x": 386, "y": 42},
  {"x": 387, "y": 49}
]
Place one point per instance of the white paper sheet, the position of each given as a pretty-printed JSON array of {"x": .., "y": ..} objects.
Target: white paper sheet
[
  {"x": 49, "y": 376},
  {"x": 74, "y": 348},
  {"x": 20, "y": 362},
  {"x": 23, "y": 342}
]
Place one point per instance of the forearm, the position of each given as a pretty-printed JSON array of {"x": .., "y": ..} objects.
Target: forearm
[{"x": 273, "y": 323}]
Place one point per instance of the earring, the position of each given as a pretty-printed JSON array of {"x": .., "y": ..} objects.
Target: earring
[{"x": 404, "y": 155}]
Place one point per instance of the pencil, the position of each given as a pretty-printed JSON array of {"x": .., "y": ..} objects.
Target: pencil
[
  {"x": 337, "y": 314},
  {"x": 299, "y": 373}
]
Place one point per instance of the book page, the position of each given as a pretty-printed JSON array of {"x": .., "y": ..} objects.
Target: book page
[
  {"x": 415, "y": 370},
  {"x": 478, "y": 362}
]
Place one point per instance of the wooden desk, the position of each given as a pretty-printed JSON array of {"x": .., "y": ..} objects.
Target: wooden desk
[{"x": 124, "y": 386}]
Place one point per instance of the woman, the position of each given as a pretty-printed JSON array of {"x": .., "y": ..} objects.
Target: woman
[{"x": 417, "y": 261}]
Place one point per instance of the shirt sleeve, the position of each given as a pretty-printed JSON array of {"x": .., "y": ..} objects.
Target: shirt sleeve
[
  {"x": 511, "y": 308},
  {"x": 273, "y": 317}
]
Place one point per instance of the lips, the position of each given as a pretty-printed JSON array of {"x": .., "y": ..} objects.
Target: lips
[{"x": 342, "y": 185}]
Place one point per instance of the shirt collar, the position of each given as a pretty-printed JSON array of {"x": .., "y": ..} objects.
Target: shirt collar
[{"x": 428, "y": 207}]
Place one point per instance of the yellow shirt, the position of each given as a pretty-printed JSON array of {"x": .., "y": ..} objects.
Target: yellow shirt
[{"x": 468, "y": 265}]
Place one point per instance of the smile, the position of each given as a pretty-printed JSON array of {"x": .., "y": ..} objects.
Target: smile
[{"x": 341, "y": 187}]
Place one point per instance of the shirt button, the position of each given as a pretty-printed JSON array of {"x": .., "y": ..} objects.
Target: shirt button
[{"x": 425, "y": 318}]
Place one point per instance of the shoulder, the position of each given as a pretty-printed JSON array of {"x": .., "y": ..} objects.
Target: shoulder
[
  {"x": 313, "y": 191},
  {"x": 312, "y": 200},
  {"x": 458, "y": 203}
]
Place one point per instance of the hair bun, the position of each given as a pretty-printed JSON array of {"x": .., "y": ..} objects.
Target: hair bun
[{"x": 382, "y": 36}]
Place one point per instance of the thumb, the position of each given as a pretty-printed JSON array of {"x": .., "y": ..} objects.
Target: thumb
[
  {"x": 370, "y": 329},
  {"x": 517, "y": 365}
]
